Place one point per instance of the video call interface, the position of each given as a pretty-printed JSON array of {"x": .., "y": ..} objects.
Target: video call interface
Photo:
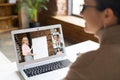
[{"x": 38, "y": 44}]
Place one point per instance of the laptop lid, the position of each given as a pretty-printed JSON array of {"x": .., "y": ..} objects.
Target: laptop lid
[{"x": 38, "y": 44}]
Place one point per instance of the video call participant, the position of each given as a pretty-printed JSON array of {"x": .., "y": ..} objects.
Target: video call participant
[
  {"x": 26, "y": 50},
  {"x": 57, "y": 43}
]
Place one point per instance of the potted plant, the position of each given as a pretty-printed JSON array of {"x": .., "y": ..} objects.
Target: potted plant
[{"x": 33, "y": 6}]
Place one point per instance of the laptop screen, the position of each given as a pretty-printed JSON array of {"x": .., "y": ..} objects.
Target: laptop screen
[{"x": 38, "y": 43}]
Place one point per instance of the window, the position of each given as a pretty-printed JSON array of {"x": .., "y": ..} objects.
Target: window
[{"x": 76, "y": 7}]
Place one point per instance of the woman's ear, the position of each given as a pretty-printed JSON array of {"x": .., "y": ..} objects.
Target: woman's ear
[{"x": 109, "y": 17}]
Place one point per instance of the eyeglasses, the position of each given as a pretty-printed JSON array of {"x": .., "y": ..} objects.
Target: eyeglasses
[{"x": 84, "y": 6}]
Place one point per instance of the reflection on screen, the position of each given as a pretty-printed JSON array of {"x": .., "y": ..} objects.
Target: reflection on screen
[{"x": 39, "y": 44}]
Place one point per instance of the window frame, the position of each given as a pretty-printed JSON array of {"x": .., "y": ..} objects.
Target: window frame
[{"x": 70, "y": 8}]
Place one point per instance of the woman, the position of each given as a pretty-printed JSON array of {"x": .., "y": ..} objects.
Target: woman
[
  {"x": 103, "y": 20},
  {"x": 26, "y": 50},
  {"x": 59, "y": 51}
]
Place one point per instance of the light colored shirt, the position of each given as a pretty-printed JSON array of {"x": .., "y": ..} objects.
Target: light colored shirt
[{"x": 26, "y": 49}]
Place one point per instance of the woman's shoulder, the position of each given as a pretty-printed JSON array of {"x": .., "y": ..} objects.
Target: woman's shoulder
[
  {"x": 85, "y": 59},
  {"x": 89, "y": 54}
]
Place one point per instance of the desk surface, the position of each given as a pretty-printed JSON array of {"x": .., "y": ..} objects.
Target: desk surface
[
  {"x": 8, "y": 69},
  {"x": 80, "y": 48},
  {"x": 3, "y": 59}
]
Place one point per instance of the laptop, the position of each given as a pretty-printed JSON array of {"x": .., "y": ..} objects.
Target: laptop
[{"x": 40, "y": 53}]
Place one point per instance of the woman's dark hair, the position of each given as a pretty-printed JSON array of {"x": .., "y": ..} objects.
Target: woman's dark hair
[{"x": 113, "y": 4}]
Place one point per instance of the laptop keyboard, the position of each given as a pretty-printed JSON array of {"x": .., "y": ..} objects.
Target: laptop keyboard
[{"x": 46, "y": 68}]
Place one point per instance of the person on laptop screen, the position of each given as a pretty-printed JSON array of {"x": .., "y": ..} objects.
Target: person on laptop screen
[
  {"x": 26, "y": 50},
  {"x": 57, "y": 42},
  {"x": 59, "y": 51},
  {"x": 103, "y": 20}
]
